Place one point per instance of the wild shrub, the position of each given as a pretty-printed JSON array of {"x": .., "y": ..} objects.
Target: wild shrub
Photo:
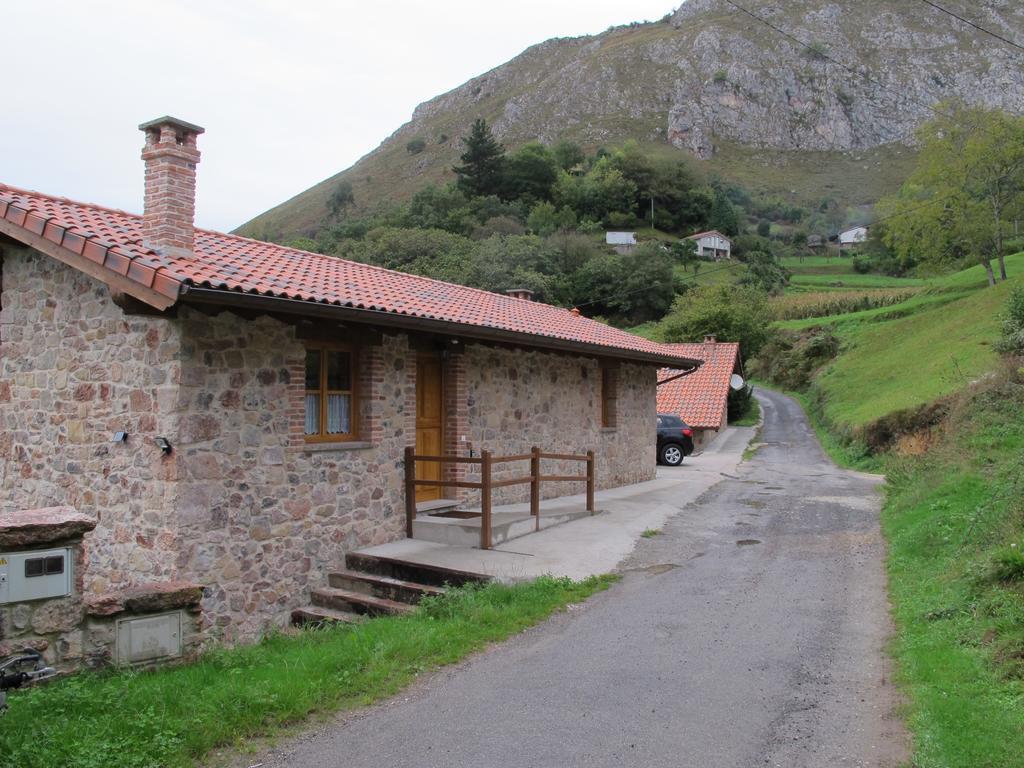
[
  {"x": 1011, "y": 340},
  {"x": 1008, "y": 564}
]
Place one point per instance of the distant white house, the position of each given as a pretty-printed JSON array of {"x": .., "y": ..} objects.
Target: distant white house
[
  {"x": 712, "y": 245},
  {"x": 852, "y": 237},
  {"x": 622, "y": 242}
]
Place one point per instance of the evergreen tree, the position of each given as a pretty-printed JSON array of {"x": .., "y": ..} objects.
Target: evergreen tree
[{"x": 482, "y": 163}]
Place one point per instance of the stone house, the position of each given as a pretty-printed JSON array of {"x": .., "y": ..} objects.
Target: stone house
[
  {"x": 234, "y": 413},
  {"x": 701, "y": 397}
]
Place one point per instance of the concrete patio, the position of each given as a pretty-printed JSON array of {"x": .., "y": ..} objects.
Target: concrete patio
[{"x": 587, "y": 545}]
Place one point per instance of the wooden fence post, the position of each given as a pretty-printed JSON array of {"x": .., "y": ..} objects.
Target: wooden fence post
[
  {"x": 485, "y": 499},
  {"x": 410, "y": 489},
  {"x": 535, "y": 486},
  {"x": 590, "y": 482}
]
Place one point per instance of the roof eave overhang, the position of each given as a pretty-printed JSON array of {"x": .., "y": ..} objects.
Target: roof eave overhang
[
  {"x": 274, "y": 304},
  {"x": 160, "y": 291}
]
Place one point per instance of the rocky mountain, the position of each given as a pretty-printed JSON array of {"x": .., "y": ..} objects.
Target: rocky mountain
[{"x": 823, "y": 105}]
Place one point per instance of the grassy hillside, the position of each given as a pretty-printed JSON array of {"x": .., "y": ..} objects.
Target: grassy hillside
[
  {"x": 911, "y": 354},
  {"x": 955, "y": 526}
]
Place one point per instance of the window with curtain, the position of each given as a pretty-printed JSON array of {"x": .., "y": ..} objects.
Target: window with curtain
[{"x": 330, "y": 393}]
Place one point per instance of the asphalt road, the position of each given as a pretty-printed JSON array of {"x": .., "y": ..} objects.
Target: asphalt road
[{"x": 750, "y": 633}]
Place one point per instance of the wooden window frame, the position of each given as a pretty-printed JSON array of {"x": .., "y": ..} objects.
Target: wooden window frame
[{"x": 353, "y": 352}]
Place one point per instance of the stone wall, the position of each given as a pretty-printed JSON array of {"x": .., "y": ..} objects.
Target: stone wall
[
  {"x": 517, "y": 399},
  {"x": 74, "y": 370},
  {"x": 75, "y": 630},
  {"x": 241, "y": 504},
  {"x": 262, "y": 516}
]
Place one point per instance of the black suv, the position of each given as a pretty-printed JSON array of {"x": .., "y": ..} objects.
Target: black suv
[{"x": 675, "y": 439}]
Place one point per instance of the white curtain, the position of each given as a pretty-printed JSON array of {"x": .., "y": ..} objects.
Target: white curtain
[
  {"x": 339, "y": 414},
  {"x": 312, "y": 414}
]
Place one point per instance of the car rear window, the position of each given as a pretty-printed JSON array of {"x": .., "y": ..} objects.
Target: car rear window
[{"x": 666, "y": 420}]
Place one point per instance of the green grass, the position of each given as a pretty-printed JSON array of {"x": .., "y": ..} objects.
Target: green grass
[
  {"x": 175, "y": 716},
  {"x": 950, "y": 520},
  {"x": 650, "y": 533},
  {"x": 910, "y": 361},
  {"x": 850, "y": 281},
  {"x": 913, "y": 353},
  {"x": 751, "y": 418}
]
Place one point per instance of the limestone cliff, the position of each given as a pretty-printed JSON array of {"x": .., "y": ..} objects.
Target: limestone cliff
[{"x": 715, "y": 83}]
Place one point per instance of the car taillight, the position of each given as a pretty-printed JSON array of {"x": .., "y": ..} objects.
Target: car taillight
[{"x": 687, "y": 432}]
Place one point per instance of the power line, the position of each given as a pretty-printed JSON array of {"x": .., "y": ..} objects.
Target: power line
[{"x": 970, "y": 23}]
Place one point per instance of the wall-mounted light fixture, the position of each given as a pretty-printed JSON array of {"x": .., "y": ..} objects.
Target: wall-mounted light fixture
[
  {"x": 120, "y": 437},
  {"x": 163, "y": 444}
]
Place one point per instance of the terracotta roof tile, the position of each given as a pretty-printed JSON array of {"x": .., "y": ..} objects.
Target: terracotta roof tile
[
  {"x": 113, "y": 239},
  {"x": 700, "y": 398}
]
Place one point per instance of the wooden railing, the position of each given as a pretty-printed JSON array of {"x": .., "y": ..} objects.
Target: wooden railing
[{"x": 487, "y": 483}]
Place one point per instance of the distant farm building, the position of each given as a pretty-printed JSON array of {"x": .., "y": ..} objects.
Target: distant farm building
[
  {"x": 622, "y": 242},
  {"x": 712, "y": 245},
  {"x": 852, "y": 237}
]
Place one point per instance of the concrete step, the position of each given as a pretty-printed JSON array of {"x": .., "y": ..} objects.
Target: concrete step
[
  {"x": 314, "y": 614},
  {"x": 381, "y": 586},
  {"x": 432, "y": 575},
  {"x": 437, "y": 505},
  {"x": 356, "y": 602}
]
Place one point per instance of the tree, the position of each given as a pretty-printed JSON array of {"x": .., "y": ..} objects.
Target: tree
[
  {"x": 1011, "y": 340},
  {"x": 723, "y": 214},
  {"x": 568, "y": 154},
  {"x": 730, "y": 312},
  {"x": 529, "y": 173},
  {"x": 963, "y": 192},
  {"x": 482, "y": 162},
  {"x": 341, "y": 197},
  {"x": 684, "y": 252},
  {"x": 764, "y": 272}
]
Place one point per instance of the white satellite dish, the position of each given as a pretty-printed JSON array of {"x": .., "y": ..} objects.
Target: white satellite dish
[{"x": 736, "y": 381}]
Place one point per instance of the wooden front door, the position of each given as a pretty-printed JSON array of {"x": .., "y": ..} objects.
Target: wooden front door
[{"x": 429, "y": 424}]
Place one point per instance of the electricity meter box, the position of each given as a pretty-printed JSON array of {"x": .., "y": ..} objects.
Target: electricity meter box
[{"x": 36, "y": 575}]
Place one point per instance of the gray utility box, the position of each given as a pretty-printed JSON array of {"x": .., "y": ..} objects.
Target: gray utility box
[
  {"x": 149, "y": 638},
  {"x": 37, "y": 575}
]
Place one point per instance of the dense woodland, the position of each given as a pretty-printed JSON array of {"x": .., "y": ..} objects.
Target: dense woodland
[{"x": 535, "y": 218}]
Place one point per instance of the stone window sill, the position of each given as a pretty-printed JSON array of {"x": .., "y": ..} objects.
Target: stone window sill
[
  {"x": 608, "y": 430},
  {"x": 348, "y": 445}
]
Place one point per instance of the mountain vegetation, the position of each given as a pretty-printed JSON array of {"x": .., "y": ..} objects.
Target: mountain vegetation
[{"x": 825, "y": 112}]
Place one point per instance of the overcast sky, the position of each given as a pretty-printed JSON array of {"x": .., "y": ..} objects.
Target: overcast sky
[{"x": 289, "y": 91}]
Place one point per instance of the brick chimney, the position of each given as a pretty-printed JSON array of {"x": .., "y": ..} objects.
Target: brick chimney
[
  {"x": 710, "y": 339},
  {"x": 520, "y": 293},
  {"x": 169, "y": 211}
]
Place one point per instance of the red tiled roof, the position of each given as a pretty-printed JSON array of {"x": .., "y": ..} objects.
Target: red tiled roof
[
  {"x": 709, "y": 232},
  {"x": 700, "y": 398},
  {"x": 112, "y": 240}
]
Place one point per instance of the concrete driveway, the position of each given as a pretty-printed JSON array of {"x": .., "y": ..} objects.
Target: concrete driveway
[{"x": 750, "y": 633}]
